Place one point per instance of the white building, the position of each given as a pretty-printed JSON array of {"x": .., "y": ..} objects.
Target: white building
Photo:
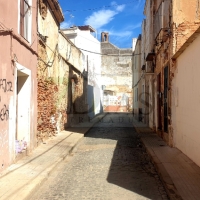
[
  {"x": 84, "y": 38},
  {"x": 137, "y": 79}
]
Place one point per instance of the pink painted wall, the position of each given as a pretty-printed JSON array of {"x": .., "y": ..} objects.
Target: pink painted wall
[{"x": 13, "y": 48}]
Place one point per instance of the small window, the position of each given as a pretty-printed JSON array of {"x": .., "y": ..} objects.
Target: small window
[{"x": 25, "y": 16}]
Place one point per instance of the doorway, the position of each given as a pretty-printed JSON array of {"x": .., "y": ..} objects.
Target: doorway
[
  {"x": 23, "y": 105},
  {"x": 159, "y": 101},
  {"x": 166, "y": 75}
]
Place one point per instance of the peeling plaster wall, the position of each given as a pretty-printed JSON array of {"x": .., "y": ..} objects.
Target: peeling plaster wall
[
  {"x": 182, "y": 18},
  {"x": 186, "y": 19},
  {"x": 60, "y": 80},
  {"x": 117, "y": 70}
]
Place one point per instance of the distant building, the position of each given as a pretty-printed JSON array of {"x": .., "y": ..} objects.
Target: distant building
[
  {"x": 134, "y": 43},
  {"x": 116, "y": 76},
  {"x": 84, "y": 38},
  {"x": 138, "y": 76}
]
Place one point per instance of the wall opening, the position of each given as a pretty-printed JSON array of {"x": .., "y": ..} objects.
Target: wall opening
[
  {"x": 23, "y": 110},
  {"x": 104, "y": 37},
  {"x": 166, "y": 74}
]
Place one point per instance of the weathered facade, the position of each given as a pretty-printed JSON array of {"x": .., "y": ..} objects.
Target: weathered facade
[
  {"x": 60, "y": 77},
  {"x": 18, "y": 83},
  {"x": 172, "y": 22},
  {"x": 83, "y": 38},
  {"x": 137, "y": 80},
  {"x": 116, "y": 76}
]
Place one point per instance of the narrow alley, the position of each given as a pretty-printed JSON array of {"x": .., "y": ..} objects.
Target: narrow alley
[{"x": 109, "y": 163}]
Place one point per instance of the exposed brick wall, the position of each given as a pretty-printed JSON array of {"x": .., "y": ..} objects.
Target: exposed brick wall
[
  {"x": 46, "y": 108},
  {"x": 52, "y": 96},
  {"x": 183, "y": 31}
]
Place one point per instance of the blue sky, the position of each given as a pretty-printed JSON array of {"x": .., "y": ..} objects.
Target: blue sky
[{"x": 121, "y": 18}]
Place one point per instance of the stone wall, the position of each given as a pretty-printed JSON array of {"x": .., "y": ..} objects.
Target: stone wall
[{"x": 117, "y": 70}]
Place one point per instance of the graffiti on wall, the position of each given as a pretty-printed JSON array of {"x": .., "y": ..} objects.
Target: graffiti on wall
[
  {"x": 5, "y": 86},
  {"x": 4, "y": 113}
]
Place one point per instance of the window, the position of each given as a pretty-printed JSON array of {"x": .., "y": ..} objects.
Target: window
[
  {"x": 25, "y": 19},
  {"x": 136, "y": 94}
]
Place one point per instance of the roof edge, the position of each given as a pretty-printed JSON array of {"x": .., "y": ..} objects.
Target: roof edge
[{"x": 56, "y": 9}]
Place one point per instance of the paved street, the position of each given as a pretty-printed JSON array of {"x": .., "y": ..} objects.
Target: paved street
[{"x": 110, "y": 163}]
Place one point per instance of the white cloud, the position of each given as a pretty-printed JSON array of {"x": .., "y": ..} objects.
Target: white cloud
[
  {"x": 120, "y": 8},
  {"x": 121, "y": 33},
  {"x": 64, "y": 25},
  {"x": 102, "y": 17},
  {"x": 133, "y": 26}
]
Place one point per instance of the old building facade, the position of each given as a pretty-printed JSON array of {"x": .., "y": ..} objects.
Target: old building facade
[
  {"x": 137, "y": 76},
  {"x": 116, "y": 76},
  {"x": 166, "y": 30},
  {"x": 18, "y": 83},
  {"x": 84, "y": 38},
  {"x": 61, "y": 82}
]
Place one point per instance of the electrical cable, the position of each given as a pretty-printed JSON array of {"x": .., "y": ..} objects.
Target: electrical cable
[{"x": 138, "y": 80}]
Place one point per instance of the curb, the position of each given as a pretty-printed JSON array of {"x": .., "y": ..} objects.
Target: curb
[
  {"x": 26, "y": 191},
  {"x": 162, "y": 172}
]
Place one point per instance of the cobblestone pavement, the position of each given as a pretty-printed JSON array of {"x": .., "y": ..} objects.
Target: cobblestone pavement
[{"x": 110, "y": 164}]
